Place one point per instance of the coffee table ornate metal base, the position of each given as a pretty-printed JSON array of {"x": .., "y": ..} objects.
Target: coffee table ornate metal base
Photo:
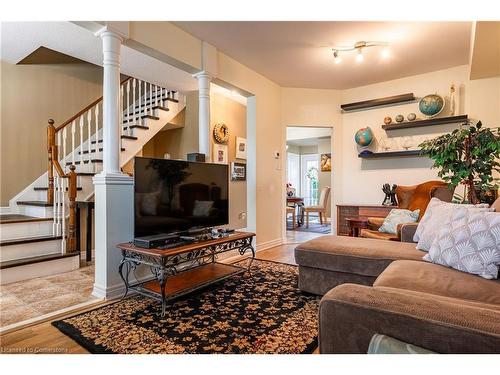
[{"x": 166, "y": 265}]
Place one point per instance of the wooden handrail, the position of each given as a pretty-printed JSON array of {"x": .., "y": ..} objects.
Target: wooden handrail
[
  {"x": 53, "y": 163},
  {"x": 91, "y": 105}
]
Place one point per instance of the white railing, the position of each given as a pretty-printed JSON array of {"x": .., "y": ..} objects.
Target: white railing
[{"x": 77, "y": 139}]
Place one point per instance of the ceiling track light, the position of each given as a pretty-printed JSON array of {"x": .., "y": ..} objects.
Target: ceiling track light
[{"x": 358, "y": 46}]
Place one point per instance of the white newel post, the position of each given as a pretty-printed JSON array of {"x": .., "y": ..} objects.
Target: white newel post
[
  {"x": 114, "y": 192},
  {"x": 204, "y": 114}
]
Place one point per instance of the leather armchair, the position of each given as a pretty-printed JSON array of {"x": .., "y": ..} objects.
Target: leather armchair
[{"x": 410, "y": 198}]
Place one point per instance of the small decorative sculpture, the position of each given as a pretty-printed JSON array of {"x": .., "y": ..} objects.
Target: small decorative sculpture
[
  {"x": 399, "y": 118},
  {"x": 411, "y": 116},
  {"x": 387, "y": 120},
  {"x": 452, "y": 99},
  {"x": 390, "y": 195}
]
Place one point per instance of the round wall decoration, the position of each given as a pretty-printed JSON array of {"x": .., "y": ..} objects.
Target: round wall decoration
[{"x": 221, "y": 132}]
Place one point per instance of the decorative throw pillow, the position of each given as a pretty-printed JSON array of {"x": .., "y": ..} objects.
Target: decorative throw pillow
[
  {"x": 398, "y": 216},
  {"x": 470, "y": 243},
  {"x": 202, "y": 208},
  {"x": 437, "y": 215}
]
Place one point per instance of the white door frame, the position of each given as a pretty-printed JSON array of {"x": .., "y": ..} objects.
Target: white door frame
[{"x": 335, "y": 167}]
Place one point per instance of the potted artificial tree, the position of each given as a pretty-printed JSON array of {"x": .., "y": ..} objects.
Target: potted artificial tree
[{"x": 469, "y": 156}]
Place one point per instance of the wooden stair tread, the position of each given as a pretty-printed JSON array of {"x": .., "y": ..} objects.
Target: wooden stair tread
[
  {"x": 16, "y": 218},
  {"x": 137, "y": 127},
  {"x": 85, "y": 174},
  {"x": 38, "y": 259},
  {"x": 34, "y": 203},
  {"x": 94, "y": 150},
  {"x": 122, "y": 137},
  {"x": 45, "y": 188},
  {"x": 85, "y": 161},
  {"x": 19, "y": 241}
]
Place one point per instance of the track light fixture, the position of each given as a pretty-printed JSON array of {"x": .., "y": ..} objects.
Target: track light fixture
[{"x": 359, "y": 46}]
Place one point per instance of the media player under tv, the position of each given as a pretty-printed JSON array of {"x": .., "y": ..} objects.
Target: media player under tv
[{"x": 156, "y": 240}]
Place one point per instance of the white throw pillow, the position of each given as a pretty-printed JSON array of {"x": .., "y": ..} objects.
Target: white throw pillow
[
  {"x": 437, "y": 215},
  {"x": 470, "y": 243},
  {"x": 398, "y": 216}
]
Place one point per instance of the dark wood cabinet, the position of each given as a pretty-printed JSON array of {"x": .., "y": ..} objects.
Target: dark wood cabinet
[{"x": 345, "y": 211}]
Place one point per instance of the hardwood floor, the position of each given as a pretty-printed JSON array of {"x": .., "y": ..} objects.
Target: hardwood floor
[{"x": 44, "y": 338}]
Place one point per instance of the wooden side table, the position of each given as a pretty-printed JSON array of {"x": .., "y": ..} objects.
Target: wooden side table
[{"x": 356, "y": 224}]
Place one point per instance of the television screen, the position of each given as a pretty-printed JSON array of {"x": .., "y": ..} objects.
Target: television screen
[{"x": 174, "y": 196}]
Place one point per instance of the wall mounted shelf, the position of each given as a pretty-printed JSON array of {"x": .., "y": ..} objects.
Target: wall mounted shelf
[
  {"x": 428, "y": 122},
  {"x": 391, "y": 154},
  {"x": 373, "y": 103}
]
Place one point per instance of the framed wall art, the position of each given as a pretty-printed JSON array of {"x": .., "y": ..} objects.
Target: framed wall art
[
  {"x": 241, "y": 148},
  {"x": 238, "y": 171},
  {"x": 220, "y": 154}
]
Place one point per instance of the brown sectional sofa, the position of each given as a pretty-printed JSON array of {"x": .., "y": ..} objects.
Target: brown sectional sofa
[{"x": 376, "y": 286}]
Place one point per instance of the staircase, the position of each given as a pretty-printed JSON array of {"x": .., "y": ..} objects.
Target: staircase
[{"x": 38, "y": 238}]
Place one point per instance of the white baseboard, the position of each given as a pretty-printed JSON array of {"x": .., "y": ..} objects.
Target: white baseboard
[
  {"x": 5, "y": 210},
  {"x": 269, "y": 244}
]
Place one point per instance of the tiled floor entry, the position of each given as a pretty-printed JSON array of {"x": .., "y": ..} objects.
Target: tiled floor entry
[{"x": 28, "y": 299}]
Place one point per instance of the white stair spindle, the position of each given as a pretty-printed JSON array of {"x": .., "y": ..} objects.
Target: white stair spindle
[
  {"x": 150, "y": 98},
  {"x": 145, "y": 98},
  {"x": 73, "y": 131},
  {"x": 54, "y": 208},
  {"x": 96, "y": 113},
  {"x": 64, "y": 153},
  {"x": 156, "y": 96},
  {"x": 63, "y": 211},
  {"x": 81, "y": 140},
  {"x": 127, "y": 102},
  {"x": 121, "y": 111},
  {"x": 89, "y": 133},
  {"x": 133, "y": 104}
]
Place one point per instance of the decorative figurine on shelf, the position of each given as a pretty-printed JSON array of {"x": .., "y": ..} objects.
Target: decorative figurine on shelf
[
  {"x": 390, "y": 195},
  {"x": 387, "y": 120},
  {"x": 411, "y": 116},
  {"x": 452, "y": 99},
  {"x": 290, "y": 191},
  {"x": 399, "y": 118}
]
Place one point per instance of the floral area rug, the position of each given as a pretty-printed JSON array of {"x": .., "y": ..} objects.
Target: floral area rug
[{"x": 261, "y": 312}]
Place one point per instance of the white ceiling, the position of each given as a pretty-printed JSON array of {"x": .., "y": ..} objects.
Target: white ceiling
[
  {"x": 19, "y": 39},
  {"x": 294, "y": 133},
  {"x": 298, "y": 54}
]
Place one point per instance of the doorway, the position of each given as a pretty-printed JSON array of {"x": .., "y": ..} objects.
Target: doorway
[{"x": 308, "y": 182}]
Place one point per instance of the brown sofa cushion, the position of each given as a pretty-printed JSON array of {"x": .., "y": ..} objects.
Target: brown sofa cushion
[
  {"x": 361, "y": 256},
  {"x": 350, "y": 315},
  {"x": 438, "y": 280}
]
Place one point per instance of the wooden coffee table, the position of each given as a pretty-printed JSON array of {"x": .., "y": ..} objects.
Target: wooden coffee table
[
  {"x": 196, "y": 262},
  {"x": 356, "y": 224}
]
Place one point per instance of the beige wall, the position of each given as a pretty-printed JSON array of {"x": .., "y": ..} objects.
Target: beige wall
[
  {"x": 317, "y": 108},
  {"x": 479, "y": 99},
  {"x": 31, "y": 94}
]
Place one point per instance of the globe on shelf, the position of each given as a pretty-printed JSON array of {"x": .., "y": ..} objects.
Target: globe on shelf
[
  {"x": 431, "y": 105},
  {"x": 364, "y": 136}
]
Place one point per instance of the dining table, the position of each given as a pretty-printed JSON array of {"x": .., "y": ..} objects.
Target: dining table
[{"x": 298, "y": 204}]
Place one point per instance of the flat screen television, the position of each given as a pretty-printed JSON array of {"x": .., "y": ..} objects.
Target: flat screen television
[{"x": 173, "y": 196}]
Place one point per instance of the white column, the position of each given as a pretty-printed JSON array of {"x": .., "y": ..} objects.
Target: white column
[
  {"x": 114, "y": 191},
  {"x": 204, "y": 113},
  {"x": 111, "y": 44}
]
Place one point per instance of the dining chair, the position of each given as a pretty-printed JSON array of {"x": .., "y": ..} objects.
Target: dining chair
[
  {"x": 320, "y": 208},
  {"x": 291, "y": 210}
]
